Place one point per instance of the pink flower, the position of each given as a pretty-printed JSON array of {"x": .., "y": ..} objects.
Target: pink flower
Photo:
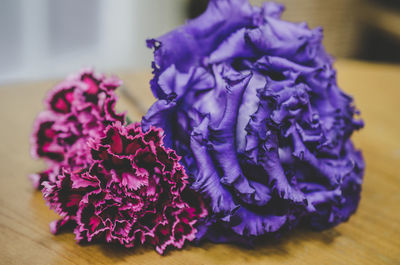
[
  {"x": 78, "y": 108},
  {"x": 134, "y": 192}
]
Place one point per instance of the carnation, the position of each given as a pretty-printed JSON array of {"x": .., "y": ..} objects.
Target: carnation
[
  {"x": 134, "y": 192},
  {"x": 78, "y": 108},
  {"x": 252, "y": 105}
]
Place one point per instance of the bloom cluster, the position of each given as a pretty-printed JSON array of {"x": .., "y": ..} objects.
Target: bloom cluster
[
  {"x": 77, "y": 109},
  {"x": 251, "y": 104},
  {"x": 110, "y": 181}
]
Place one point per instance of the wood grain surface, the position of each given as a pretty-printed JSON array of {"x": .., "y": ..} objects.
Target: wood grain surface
[{"x": 371, "y": 236}]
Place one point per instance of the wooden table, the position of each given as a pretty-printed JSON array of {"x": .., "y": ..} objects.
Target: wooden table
[{"x": 372, "y": 236}]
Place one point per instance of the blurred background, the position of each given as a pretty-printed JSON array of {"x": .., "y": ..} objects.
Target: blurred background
[{"x": 42, "y": 39}]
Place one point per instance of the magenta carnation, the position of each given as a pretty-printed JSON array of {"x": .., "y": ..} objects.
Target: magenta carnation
[
  {"x": 78, "y": 108},
  {"x": 134, "y": 192}
]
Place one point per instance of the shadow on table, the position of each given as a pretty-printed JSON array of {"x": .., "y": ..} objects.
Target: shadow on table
[{"x": 281, "y": 246}]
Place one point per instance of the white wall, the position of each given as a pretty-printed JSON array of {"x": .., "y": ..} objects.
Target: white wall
[{"x": 42, "y": 39}]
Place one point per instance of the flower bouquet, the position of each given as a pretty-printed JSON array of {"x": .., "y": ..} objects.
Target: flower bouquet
[{"x": 249, "y": 137}]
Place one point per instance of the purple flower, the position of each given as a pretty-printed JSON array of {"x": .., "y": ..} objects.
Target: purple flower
[
  {"x": 76, "y": 109},
  {"x": 134, "y": 192},
  {"x": 251, "y": 104}
]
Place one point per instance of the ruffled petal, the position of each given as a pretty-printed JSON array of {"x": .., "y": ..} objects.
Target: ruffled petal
[
  {"x": 78, "y": 109},
  {"x": 134, "y": 192},
  {"x": 266, "y": 136}
]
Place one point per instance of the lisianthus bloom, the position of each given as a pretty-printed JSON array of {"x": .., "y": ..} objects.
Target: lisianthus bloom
[
  {"x": 251, "y": 104},
  {"x": 76, "y": 109},
  {"x": 134, "y": 192}
]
